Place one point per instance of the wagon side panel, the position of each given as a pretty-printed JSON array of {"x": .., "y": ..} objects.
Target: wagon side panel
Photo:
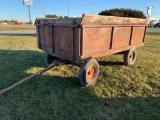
[
  {"x": 138, "y": 35},
  {"x": 96, "y": 40},
  {"x": 56, "y": 41},
  {"x": 41, "y": 35},
  {"x": 121, "y": 37},
  {"x": 63, "y": 39},
  {"x": 77, "y": 43},
  {"x": 45, "y": 38}
]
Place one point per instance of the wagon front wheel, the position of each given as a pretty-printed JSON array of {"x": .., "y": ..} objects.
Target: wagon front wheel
[
  {"x": 49, "y": 59},
  {"x": 88, "y": 73},
  {"x": 130, "y": 57}
]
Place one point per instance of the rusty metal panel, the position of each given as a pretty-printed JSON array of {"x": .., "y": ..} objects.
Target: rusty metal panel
[
  {"x": 116, "y": 39},
  {"x": 121, "y": 37},
  {"x": 111, "y": 51},
  {"x": 138, "y": 35},
  {"x": 63, "y": 42},
  {"x": 96, "y": 39},
  {"x": 112, "y": 20},
  {"x": 47, "y": 36},
  {"x": 77, "y": 43},
  {"x": 41, "y": 35},
  {"x": 38, "y": 37},
  {"x": 91, "y": 36},
  {"x": 59, "y": 21}
]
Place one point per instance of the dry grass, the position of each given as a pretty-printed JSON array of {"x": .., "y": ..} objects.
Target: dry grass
[{"x": 16, "y": 27}]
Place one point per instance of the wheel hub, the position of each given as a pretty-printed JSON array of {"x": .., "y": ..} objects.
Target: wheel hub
[
  {"x": 131, "y": 57},
  {"x": 91, "y": 73}
]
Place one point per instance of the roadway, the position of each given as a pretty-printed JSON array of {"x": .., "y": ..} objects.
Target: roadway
[
  {"x": 18, "y": 33},
  {"x": 156, "y": 30},
  {"x": 33, "y": 32}
]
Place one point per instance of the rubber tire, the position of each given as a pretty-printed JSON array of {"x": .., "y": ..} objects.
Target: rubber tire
[
  {"x": 83, "y": 71},
  {"x": 127, "y": 55},
  {"x": 49, "y": 59}
]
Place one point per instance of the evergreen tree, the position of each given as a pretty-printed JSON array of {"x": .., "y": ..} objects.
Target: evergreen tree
[{"x": 123, "y": 13}]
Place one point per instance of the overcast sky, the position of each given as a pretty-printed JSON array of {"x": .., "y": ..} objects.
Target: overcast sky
[{"x": 14, "y": 9}]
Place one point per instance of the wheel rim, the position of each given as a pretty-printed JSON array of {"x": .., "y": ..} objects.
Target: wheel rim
[
  {"x": 131, "y": 57},
  {"x": 91, "y": 73}
]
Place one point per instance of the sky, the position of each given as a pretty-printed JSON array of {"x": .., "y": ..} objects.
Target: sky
[{"x": 14, "y": 9}]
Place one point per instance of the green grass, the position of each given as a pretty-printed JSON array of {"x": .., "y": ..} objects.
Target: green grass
[
  {"x": 121, "y": 92},
  {"x": 16, "y": 27}
]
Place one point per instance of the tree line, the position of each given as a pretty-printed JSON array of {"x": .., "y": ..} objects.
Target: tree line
[
  {"x": 55, "y": 16},
  {"x": 123, "y": 13},
  {"x": 120, "y": 12}
]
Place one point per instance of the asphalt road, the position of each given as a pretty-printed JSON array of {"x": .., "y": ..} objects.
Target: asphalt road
[
  {"x": 18, "y": 33},
  {"x": 156, "y": 30},
  {"x": 33, "y": 32}
]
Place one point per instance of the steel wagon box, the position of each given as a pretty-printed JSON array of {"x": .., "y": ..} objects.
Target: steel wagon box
[{"x": 79, "y": 40}]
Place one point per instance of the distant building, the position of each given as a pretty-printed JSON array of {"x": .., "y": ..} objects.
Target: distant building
[
  {"x": 151, "y": 18},
  {"x": 3, "y": 22},
  {"x": 153, "y": 21}
]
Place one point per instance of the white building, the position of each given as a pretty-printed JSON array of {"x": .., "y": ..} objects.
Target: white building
[
  {"x": 153, "y": 21},
  {"x": 151, "y": 18}
]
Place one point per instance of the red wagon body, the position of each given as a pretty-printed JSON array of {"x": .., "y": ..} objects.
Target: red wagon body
[{"x": 80, "y": 39}]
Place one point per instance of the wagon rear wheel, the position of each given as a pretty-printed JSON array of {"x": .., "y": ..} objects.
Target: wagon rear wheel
[
  {"x": 88, "y": 73},
  {"x": 130, "y": 57},
  {"x": 49, "y": 59}
]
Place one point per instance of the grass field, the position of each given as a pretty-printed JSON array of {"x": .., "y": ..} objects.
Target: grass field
[
  {"x": 122, "y": 92},
  {"x": 16, "y": 27}
]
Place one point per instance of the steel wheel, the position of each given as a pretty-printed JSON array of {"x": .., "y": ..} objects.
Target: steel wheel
[{"x": 88, "y": 73}]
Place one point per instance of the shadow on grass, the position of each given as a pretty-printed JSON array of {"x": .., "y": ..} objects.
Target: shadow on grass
[
  {"x": 110, "y": 63},
  {"x": 61, "y": 97},
  {"x": 17, "y": 34}
]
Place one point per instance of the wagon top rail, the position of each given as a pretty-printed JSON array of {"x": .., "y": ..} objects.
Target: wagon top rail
[{"x": 88, "y": 19}]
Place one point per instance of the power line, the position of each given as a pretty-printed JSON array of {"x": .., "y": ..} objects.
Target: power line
[
  {"x": 97, "y": 8},
  {"x": 156, "y": 13},
  {"x": 98, "y": 3},
  {"x": 82, "y": 5},
  {"x": 91, "y": 5},
  {"x": 116, "y": 5}
]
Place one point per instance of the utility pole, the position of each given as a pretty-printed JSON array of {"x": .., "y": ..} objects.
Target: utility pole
[
  {"x": 149, "y": 11},
  {"x": 29, "y": 15},
  {"x": 28, "y": 3},
  {"x": 68, "y": 9}
]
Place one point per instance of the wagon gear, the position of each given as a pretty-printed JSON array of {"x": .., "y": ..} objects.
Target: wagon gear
[
  {"x": 30, "y": 77},
  {"x": 50, "y": 59},
  {"x": 79, "y": 40}
]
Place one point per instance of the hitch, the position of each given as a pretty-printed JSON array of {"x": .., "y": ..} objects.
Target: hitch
[{"x": 30, "y": 77}]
